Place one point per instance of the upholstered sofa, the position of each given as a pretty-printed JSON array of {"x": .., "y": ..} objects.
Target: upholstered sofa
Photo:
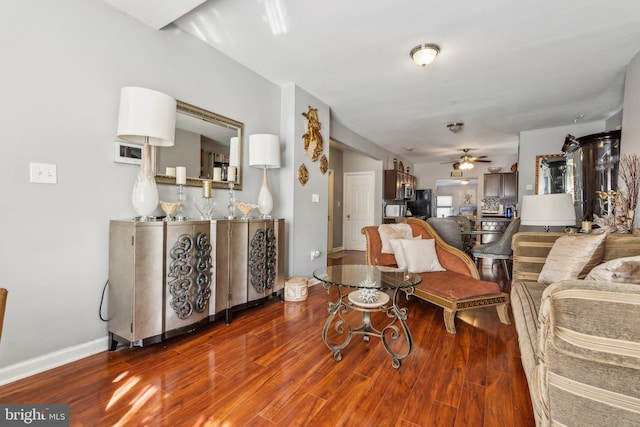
[
  {"x": 579, "y": 339},
  {"x": 456, "y": 288}
]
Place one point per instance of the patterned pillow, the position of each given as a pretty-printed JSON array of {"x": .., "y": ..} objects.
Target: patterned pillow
[
  {"x": 572, "y": 257},
  {"x": 620, "y": 270}
]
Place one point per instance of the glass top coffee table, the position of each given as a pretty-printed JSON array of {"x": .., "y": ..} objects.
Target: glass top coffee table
[{"x": 367, "y": 289}]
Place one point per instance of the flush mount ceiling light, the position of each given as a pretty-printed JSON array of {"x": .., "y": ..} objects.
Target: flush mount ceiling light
[
  {"x": 455, "y": 127},
  {"x": 424, "y": 54}
]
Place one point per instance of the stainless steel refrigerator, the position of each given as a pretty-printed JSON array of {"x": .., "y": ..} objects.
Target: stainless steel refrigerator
[{"x": 421, "y": 207}]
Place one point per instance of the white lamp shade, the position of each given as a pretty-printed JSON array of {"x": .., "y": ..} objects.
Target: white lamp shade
[
  {"x": 548, "y": 210},
  {"x": 233, "y": 151},
  {"x": 264, "y": 151},
  {"x": 147, "y": 116}
]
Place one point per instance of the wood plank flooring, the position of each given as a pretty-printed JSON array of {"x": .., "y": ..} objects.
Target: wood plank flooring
[{"x": 269, "y": 367}]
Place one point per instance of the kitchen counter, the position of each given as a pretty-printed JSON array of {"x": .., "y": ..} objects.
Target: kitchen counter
[{"x": 493, "y": 218}]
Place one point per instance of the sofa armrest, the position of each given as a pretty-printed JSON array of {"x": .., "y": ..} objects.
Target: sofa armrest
[{"x": 589, "y": 349}]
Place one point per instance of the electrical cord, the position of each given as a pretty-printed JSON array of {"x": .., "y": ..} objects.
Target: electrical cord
[{"x": 102, "y": 301}]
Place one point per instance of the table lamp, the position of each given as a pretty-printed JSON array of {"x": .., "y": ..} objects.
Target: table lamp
[
  {"x": 146, "y": 117},
  {"x": 548, "y": 210},
  {"x": 264, "y": 152}
]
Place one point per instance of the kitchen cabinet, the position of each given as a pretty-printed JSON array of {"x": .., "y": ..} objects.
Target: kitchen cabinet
[
  {"x": 395, "y": 183},
  {"x": 501, "y": 185}
]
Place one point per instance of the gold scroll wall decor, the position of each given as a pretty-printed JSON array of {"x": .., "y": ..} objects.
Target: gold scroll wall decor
[
  {"x": 303, "y": 174},
  {"x": 313, "y": 145}
]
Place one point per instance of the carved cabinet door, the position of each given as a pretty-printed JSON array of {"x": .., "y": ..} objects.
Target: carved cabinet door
[{"x": 188, "y": 281}]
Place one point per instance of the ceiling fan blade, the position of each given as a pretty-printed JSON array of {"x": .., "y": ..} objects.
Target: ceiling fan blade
[{"x": 482, "y": 161}]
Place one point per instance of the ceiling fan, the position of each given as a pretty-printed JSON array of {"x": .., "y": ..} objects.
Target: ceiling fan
[{"x": 466, "y": 161}]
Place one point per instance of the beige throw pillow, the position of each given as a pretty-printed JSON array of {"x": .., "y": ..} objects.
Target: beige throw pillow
[
  {"x": 572, "y": 257},
  {"x": 397, "y": 252},
  {"x": 393, "y": 231},
  {"x": 620, "y": 270},
  {"x": 420, "y": 255}
]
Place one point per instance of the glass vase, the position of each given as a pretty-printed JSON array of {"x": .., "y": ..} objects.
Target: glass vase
[{"x": 144, "y": 196}]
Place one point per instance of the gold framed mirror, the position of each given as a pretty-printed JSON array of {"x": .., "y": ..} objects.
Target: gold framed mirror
[
  {"x": 554, "y": 174},
  {"x": 204, "y": 146}
]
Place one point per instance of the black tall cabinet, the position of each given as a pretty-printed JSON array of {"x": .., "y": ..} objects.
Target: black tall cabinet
[{"x": 595, "y": 159}]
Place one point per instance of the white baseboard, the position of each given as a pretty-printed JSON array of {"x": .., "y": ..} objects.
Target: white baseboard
[
  {"x": 313, "y": 281},
  {"x": 48, "y": 361},
  {"x": 337, "y": 249}
]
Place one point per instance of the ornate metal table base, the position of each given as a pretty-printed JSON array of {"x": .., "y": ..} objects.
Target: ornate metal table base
[{"x": 392, "y": 330}]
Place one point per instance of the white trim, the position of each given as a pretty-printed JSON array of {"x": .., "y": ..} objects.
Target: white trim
[
  {"x": 337, "y": 249},
  {"x": 52, "y": 360}
]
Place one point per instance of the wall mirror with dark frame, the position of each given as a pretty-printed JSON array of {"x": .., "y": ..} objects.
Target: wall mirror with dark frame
[
  {"x": 203, "y": 144},
  {"x": 554, "y": 174}
]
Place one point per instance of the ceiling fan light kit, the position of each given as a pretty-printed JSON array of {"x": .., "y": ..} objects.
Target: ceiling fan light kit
[
  {"x": 424, "y": 54},
  {"x": 466, "y": 165},
  {"x": 466, "y": 161}
]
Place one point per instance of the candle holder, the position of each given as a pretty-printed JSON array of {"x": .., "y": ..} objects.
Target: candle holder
[
  {"x": 180, "y": 216},
  {"x": 232, "y": 202},
  {"x": 206, "y": 205}
]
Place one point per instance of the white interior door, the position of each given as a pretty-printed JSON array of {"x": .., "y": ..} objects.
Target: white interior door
[
  {"x": 330, "y": 214},
  {"x": 358, "y": 208}
]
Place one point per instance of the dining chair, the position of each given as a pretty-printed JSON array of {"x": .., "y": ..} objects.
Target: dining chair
[
  {"x": 498, "y": 249},
  {"x": 448, "y": 229}
]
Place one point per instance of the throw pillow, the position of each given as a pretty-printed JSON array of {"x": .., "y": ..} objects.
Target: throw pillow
[
  {"x": 620, "y": 270},
  {"x": 393, "y": 231},
  {"x": 572, "y": 257},
  {"x": 420, "y": 255},
  {"x": 397, "y": 252}
]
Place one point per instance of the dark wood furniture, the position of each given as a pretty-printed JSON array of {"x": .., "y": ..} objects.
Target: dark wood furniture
[
  {"x": 394, "y": 183},
  {"x": 501, "y": 185}
]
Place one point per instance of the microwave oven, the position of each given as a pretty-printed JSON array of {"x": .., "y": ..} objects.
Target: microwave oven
[
  {"x": 408, "y": 191},
  {"x": 392, "y": 210}
]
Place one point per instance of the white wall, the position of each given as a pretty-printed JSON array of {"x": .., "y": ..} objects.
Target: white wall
[
  {"x": 631, "y": 111},
  {"x": 69, "y": 59},
  {"x": 306, "y": 220}
]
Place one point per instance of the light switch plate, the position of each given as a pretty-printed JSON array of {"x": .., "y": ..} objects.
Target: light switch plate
[
  {"x": 315, "y": 198},
  {"x": 43, "y": 173}
]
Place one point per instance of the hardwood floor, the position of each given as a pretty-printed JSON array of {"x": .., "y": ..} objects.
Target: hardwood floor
[{"x": 269, "y": 367}]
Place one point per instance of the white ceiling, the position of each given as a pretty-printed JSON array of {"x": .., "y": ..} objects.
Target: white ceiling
[{"x": 505, "y": 66}]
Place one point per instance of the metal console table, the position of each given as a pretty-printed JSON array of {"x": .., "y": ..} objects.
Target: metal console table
[{"x": 349, "y": 280}]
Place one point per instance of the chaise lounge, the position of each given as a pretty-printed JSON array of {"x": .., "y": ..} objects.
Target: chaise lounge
[{"x": 457, "y": 288}]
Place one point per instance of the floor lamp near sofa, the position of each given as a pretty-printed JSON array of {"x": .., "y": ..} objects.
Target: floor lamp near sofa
[{"x": 548, "y": 210}]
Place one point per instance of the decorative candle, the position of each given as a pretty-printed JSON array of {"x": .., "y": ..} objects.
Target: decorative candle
[
  {"x": 206, "y": 188},
  {"x": 233, "y": 151},
  {"x": 171, "y": 171},
  {"x": 181, "y": 175},
  {"x": 217, "y": 174},
  {"x": 231, "y": 173}
]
